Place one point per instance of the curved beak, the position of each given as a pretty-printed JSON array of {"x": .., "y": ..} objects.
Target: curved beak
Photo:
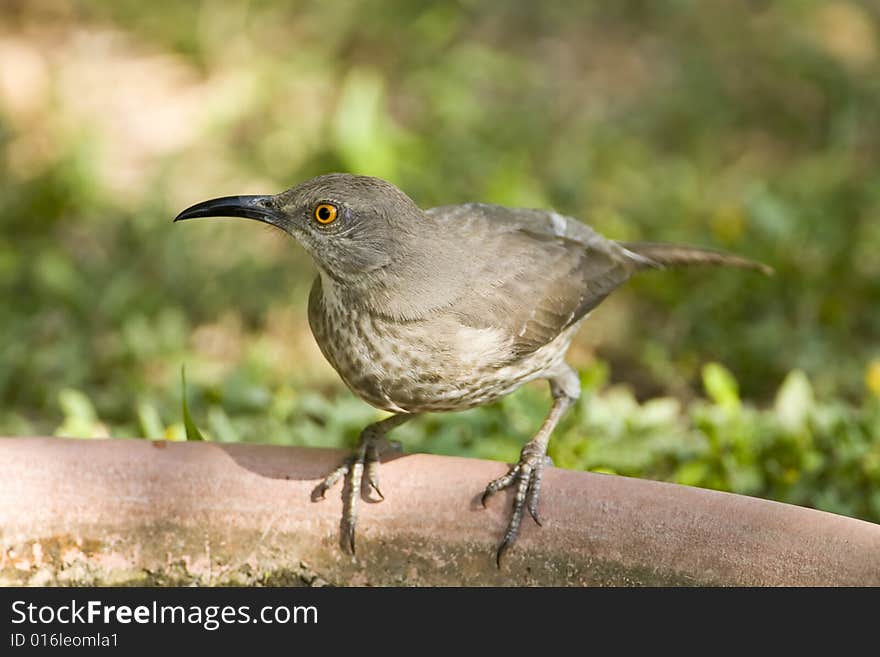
[{"x": 261, "y": 208}]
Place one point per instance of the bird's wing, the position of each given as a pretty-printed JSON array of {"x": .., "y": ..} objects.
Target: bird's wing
[{"x": 540, "y": 272}]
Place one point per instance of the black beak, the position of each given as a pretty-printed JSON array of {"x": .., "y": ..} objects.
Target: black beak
[{"x": 261, "y": 208}]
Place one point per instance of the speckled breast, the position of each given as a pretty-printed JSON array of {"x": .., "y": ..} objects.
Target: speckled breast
[{"x": 427, "y": 365}]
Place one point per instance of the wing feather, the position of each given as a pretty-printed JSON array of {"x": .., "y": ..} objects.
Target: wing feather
[{"x": 543, "y": 272}]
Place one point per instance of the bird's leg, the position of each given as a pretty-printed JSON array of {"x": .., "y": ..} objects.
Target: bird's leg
[
  {"x": 366, "y": 457},
  {"x": 526, "y": 474}
]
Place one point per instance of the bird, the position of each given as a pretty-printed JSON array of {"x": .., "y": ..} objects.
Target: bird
[{"x": 448, "y": 308}]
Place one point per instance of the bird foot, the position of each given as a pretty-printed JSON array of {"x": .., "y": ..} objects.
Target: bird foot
[
  {"x": 364, "y": 461},
  {"x": 526, "y": 477}
]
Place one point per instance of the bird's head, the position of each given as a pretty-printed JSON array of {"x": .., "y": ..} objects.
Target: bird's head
[{"x": 351, "y": 225}]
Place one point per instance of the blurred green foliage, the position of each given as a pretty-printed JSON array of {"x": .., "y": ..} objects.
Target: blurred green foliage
[
  {"x": 750, "y": 126},
  {"x": 191, "y": 430}
]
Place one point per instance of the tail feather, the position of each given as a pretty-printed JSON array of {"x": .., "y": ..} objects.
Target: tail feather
[{"x": 659, "y": 255}]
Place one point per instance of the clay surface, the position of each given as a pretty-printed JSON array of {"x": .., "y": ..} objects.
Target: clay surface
[{"x": 116, "y": 512}]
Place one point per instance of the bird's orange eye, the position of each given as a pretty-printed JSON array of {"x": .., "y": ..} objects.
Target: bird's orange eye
[{"x": 326, "y": 213}]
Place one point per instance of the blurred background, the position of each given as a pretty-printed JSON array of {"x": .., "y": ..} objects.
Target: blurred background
[{"x": 749, "y": 126}]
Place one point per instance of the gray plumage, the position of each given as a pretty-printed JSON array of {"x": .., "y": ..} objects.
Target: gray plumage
[{"x": 449, "y": 308}]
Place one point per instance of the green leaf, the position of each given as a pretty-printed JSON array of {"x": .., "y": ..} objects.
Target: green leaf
[
  {"x": 794, "y": 401},
  {"x": 361, "y": 128},
  {"x": 721, "y": 386},
  {"x": 80, "y": 417},
  {"x": 692, "y": 473},
  {"x": 149, "y": 420},
  {"x": 595, "y": 376},
  {"x": 192, "y": 431}
]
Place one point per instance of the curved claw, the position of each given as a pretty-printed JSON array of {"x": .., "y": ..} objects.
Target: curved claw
[
  {"x": 372, "y": 469},
  {"x": 526, "y": 476},
  {"x": 364, "y": 461},
  {"x": 330, "y": 480},
  {"x": 534, "y": 514},
  {"x": 501, "y": 550},
  {"x": 486, "y": 495},
  {"x": 532, "y": 494},
  {"x": 501, "y": 483}
]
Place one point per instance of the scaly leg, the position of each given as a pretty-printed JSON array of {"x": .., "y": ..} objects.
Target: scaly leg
[
  {"x": 526, "y": 475},
  {"x": 366, "y": 457}
]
